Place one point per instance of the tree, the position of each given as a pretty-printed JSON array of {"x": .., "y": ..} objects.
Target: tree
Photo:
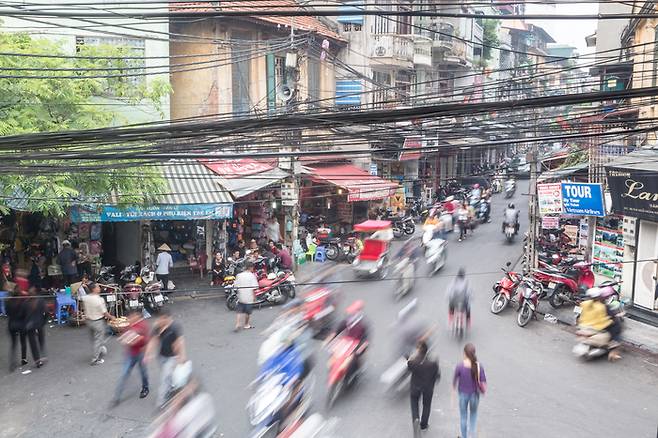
[
  {"x": 55, "y": 102},
  {"x": 490, "y": 37}
]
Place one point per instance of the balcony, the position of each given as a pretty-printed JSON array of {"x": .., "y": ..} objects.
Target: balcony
[
  {"x": 457, "y": 55},
  {"x": 392, "y": 50},
  {"x": 443, "y": 38},
  {"x": 422, "y": 51}
]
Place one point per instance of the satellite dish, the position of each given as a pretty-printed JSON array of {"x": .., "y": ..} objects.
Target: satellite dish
[{"x": 285, "y": 93}]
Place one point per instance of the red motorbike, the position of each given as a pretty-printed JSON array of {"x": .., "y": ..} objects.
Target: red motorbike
[
  {"x": 343, "y": 353},
  {"x": 319, "y": 310},
  {"x": 567, "y": 286},
  {"x": 273, "y": 289},
  {"x": 504, "y": 290}
]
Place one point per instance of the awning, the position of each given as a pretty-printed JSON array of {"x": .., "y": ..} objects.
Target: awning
[
  {"x": 190, "y": 182},
  {"x": 414, "y": 148},
  {"x": 245, "y": 176},
  {"x": 360, "y": 185},
  {"x": 561, "y": 173},
  {"x": 348, "y": 91}
]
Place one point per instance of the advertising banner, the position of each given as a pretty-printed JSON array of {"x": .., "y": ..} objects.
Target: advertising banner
[
  {"x": 584, "y": 199},
  {"x": 156, "y": 212},
  {"x": 634, "y": 192},
  {"x": 550, "y": 198}
]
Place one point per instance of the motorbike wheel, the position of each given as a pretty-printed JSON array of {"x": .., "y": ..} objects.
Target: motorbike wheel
[
  {"x": 332, "y": 252},
  {"x": 409, "y": 228},
  {"x": 397, "y": 232},
  {"x": 555, "y": 300},
  {"x": 290, "y": 291},
  {"x": 525, "y": 315},
  {"x": 232, "y": 302},
  {"x": 499, "y": 303}
]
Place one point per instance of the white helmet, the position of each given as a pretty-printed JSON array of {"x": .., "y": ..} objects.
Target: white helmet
[{"x": 594, "y": 292}]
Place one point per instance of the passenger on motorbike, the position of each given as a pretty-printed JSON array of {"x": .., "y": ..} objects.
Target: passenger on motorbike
[
  {"x": 354, "y": 326},
  {"x": 476, "y": 193},
  {"x": 596, "y": 315},
  {"x": 459, "y": 294},
  {"x": 511, "y": 216}
]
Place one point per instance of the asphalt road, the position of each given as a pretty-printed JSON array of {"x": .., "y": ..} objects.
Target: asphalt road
[{"x": 536, "y": 387}]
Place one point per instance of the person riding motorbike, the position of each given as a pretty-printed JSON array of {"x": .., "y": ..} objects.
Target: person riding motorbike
[
  {"x": 596, "y": 315},
  {"x": 459, "y": 293},
  {"x": 354, "y": 326},
  {"x": 476, "y": 193},
  {"x": 511, "y": 216}
]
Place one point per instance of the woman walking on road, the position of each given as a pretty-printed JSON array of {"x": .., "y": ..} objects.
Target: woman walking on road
[{"x": 470, "y": 381}]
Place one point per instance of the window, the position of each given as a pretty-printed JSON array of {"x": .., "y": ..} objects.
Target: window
[
  {"x": 240, "y": 76},
  {"x": 381, "y": 25},
  {"x": 655, "y": 57},
  {"x": 313, "y": 74},
  {"x": 382, "y": 83},
  {"x": 276, "y": 77},
  {"x": 135, "y": 46},
  {"x": 404, "y": 21}
]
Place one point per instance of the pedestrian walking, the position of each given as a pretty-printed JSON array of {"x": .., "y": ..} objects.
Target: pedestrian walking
[
  {"x": 246, "y": 283},
  {"x": 425, "y": 374},
  {"x": 68, "y": 261},
  {"x": 163, "y": 264},
  {"x": 469, "y": 381},
  {"x": 35, "y": 325},
  {"x": 95, "y": 314},
  {"x": 16, "y": 314},
  {"x": 168, "y": 338},
  {"x": 135, "y": 339}
]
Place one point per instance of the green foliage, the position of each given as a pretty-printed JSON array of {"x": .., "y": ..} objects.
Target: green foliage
[
  {"x": 490, "y": 37},
  {"x": 29, "y": 105}
]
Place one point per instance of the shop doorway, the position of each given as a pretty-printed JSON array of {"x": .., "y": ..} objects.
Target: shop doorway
[
  {"x": 646, "y": 272},
  {"x": 121, "y": 243}
]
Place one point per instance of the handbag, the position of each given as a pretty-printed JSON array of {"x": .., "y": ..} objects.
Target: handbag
[{"x": 482, "y": 387}]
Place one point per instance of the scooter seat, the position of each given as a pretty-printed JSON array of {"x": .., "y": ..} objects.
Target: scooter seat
[{"x": 265, "y": 282}]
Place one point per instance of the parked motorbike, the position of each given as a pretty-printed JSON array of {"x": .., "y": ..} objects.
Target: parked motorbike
[
  {"x": 152, "y": 296},
  {"x": 274, "y": 289},
  {"x": 342, "y": 249},
  {"x": 566, "y": 287},
  {"x": 402, "y": 226},
  {"x": 505, "y": 289},
  {"x": 405, "y": 271},
  {"x": 343, "y": 353},
  {"x": 528, "y": 292},
  {"x": 106, "y": 275}
]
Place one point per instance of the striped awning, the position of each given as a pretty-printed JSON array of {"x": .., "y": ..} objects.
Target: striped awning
[
  {"x": 349, "y": 7},
  {"x": 348, "y": 92},
  {"x": 190, "y": 182}
]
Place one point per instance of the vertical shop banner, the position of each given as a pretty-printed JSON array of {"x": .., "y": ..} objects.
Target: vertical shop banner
[
  {"x": 584, "y": 199},
  {"x": 550, "y": 198}
]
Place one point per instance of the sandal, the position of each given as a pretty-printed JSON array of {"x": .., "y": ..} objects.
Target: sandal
[{"x": 247, "y": 327}]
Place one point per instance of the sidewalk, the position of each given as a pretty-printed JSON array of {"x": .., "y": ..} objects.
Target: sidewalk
[{"x": 635, "y": 333}]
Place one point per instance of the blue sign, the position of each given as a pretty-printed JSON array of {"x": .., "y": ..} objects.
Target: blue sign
[
  {"x": 583, "y": 199},
  {"x": 110, "y": 213}
]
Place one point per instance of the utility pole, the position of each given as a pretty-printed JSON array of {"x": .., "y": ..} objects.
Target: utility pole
[{"x": 531, "y": 253}]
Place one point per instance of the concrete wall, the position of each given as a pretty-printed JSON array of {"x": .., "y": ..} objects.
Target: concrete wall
[{"x": 608, "y": 32}]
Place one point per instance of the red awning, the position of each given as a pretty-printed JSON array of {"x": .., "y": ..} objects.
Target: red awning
[
  {"x": 236, "y": 168},
  {"x": 360, "y": 185},
  {"x": 414, "y": 144}
]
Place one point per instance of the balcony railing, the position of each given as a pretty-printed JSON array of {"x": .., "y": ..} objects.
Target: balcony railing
[
  {"x": 392, "y": 48},
  {"x": 423, "y": 52}
]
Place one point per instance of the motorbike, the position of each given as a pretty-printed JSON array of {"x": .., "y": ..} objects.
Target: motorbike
[
  {"x": 483, "y": 211},
  {"x": 510, "y": 189},
  {"x": 280, "y": 392},
  {"x": 152, "y": 295},
  {"x": 273, "y": 289},
  {"x": 312, "y": 426},
  {"x": 505, "y": 289},
  {"x": 339, "y": 249},
  {"x": 106, "y": 275},
  {"x": 566, "y": 287},
  {"x": 319, "y": 310},
  {"x": 131, "y": 288},
  {"x": 343, "y": 353},
  {"x": 496, "y": 185},
  {"x": 405, "y": 271},
  {"x": 528, "y": 292},
  {"x": 592, "y": 343},
  {"x": 374, "y": 257},
  {"x": 436, "y": 254},
  {"x": 402, "y": 226},
  {"x": 510, "y": 231}
]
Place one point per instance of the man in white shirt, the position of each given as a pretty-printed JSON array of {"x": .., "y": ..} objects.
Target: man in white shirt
[
  {"x": 95, "y": 314},
  {"x": 246, "y": 284},
  {"x": 163, "y": 264}
]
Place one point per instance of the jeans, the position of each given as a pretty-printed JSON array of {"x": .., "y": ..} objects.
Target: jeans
[
  {"x": 98, "y": 336},
  {"x": 468, "y": 402},
  {"x": 128, "y": 366},
  {"x": 416, "y": 394},
  {"x": 167, "y": 366}
]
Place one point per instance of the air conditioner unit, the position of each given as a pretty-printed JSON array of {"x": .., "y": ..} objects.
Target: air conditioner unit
[{"x": 380, "y": 51}]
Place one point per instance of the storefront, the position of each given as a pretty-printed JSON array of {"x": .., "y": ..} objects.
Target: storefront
[
  {"x": 343, "y": 193},
  {"x": 190, "y": 218},
  {"x": 256, "y": 186},
  {"x": 633, "y": 189}
]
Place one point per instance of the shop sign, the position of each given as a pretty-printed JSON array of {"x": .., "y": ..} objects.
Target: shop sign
[
  {"x": 585, "y": 199},
  {"x": 239, "y": 167},
  {"x": 373, "y": 169},
  {"x": 155, "y": 212},
  {"x": 550, "y": 222},
  {"x": 634, "y": 193},
  {"x": 550, "y": 198},
  {"x": 367, "y": 194}
]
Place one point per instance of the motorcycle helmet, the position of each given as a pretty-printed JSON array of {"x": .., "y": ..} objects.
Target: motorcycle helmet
[
  {"x": 594, "y": 292},
  {"x": 271, "y": 276},
  {"x": 476, "y": 186}
]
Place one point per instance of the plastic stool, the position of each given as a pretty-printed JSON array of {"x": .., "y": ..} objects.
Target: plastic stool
[
  {"x": 301, "y": 259},
  {"x": 320, "y": 254},
  {"x": 65, "y": 300}
]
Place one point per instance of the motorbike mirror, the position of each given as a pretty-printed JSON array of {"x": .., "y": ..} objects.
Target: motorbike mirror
[{"x": 508, "y": 264}]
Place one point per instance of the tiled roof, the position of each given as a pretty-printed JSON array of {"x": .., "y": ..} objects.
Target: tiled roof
[{"x": 302, "y": 23}]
